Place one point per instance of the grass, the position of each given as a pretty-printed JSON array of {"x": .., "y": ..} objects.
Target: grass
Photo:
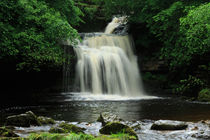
[{"x": 73, "y": 136}]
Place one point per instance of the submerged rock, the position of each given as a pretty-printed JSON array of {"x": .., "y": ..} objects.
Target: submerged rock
[
  {"x": 117, "y": 127},
  {"x": 5, "y": 132},
  {"x": 106, "y": 117},
  {"x": 168, "y": 125},
  {"x": 23, "y": 120},
  {"x": 67, "y": 128},
  {"x": 45, "y": 120}
]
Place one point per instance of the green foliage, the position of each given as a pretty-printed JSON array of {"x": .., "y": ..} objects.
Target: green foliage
[
  {"x": 30, "y": 33},
  {"x": 89, "y": 8},
  {"x": 67, "y": 128},
  {"x": 190, "y": 86},
  {"x": 171, "y": 27},
  {"x": 195, "y": 29},
  {"x": 67, "y": 9},
  {"x": 72, "y": 136},
  {"x": 116, "y": 128},
  {"x": 204, "y": 95}
]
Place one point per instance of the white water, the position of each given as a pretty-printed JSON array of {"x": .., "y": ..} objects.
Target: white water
[
  {"x": 107, "y": 65},
  {"x": 115, "y": 23},
  {"x": 73, "y": 96}
]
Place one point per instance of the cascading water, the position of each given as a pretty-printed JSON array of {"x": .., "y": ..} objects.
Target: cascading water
[{"x": 106, "y": 63}]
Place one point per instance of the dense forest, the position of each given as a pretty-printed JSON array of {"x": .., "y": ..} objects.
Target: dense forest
[{"x": 175, "y": 33}]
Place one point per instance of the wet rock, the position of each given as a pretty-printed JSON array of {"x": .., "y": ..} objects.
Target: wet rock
[
  {"x": 117, "y": 127},
  {"x": 169, "y": 125},
  {"x": 106, "y": 117},
  {"x": 136, "y": 126},
  {"x": 23, "y": 120},
  {"x": 201, "y": 135},
  {"x": 67, "y": 128},
  {"x": 5, "y": 132},
  {"x": 45, "y": 120}
]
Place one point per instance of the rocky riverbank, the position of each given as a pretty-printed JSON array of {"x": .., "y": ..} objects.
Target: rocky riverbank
[{"x": 108, "y": 126}]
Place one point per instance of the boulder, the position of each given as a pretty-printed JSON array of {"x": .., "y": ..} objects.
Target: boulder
[
  {"x": 117, "y": 127},
  {"x": 57, "y": 130},
  {"x": 23, "y": 120},
  {"x": 5, "y": 132},
  {"x": 45, "y": 120},
  {"x": 106, "y": 117},
  {"x": 67, "y": 128},
  {"x": 168, "y": 125}
]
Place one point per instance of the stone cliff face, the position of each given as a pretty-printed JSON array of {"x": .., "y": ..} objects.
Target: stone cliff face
[{"x": 158, "y": 66}]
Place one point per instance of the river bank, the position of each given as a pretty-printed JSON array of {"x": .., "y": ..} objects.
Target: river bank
[{"x": 144, "y": 129}]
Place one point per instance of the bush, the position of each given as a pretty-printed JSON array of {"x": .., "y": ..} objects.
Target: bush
[
  {"x": 190, "y": 86},
  {"x": 204, "y": 95}
]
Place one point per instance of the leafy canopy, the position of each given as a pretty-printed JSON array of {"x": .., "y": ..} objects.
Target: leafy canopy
[{"x": 30, "y": 33}]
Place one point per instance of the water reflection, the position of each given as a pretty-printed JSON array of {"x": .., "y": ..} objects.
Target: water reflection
[{"x": 62, "y": 108}]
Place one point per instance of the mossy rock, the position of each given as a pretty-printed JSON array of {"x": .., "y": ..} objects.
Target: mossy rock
[
  {"x": 116, "y": 137},
  {"x": 5, "y": 132},
  {"x": 45, "y": 120},
  {"x": 117, "y": 127},
  {"x": 67, "y": 128},
  {"x": 107, "y": 117},
  {"x": 168, "y": 125},
  {"x": 23, "y": 120},
  {"x": 204, "y": 95},
  {"x": 57, "y": 130}
]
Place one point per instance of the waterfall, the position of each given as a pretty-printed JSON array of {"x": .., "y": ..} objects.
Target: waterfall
[{"x": 106, "y": 63}]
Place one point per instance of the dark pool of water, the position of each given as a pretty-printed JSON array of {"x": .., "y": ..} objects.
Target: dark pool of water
[{"x": 166, "y": 108}]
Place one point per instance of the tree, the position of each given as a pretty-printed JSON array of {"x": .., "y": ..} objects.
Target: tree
[{"x": 30, "y": 33}]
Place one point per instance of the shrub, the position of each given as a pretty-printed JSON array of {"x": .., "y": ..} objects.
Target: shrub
[
  {"x": 190, "y": 86},
  {"x": 204, "y": 95}
]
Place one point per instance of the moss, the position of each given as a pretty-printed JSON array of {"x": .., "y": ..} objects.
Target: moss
[
  {"x": 57, "y": 130},
  {"x": 11, "y": 138},
  {"x": 5, "y": 132},
  {"x": 67, "y": 128},
  {"x": 204, "y": 95},
  {"x": 46, "y": 136},
  {"x": 73, "y": 136},
  {"x": 23, "y": 120},
  {"x": 116, "y": 127},
  {"x": 45, "y": 120}
]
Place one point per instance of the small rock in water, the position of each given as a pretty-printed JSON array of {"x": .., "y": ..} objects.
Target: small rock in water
[
  {"x": 106, "y": 117},
  {"x": 169, "y": 125},
  {"x": 23, "y": 120}
]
